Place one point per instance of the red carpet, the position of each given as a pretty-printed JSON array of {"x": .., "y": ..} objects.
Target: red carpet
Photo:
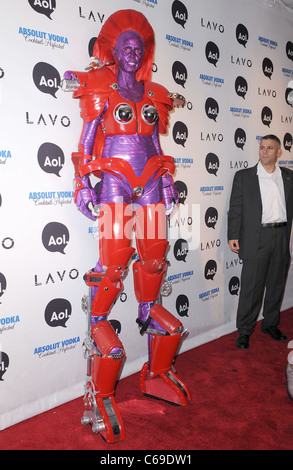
[{"x": 239, "y": 402}]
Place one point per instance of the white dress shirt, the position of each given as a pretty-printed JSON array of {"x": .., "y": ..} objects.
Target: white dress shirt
[{"x": 272, "y": 195}]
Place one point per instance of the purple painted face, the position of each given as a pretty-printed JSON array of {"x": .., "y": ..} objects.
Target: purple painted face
[{"x": 129, "y": 50}]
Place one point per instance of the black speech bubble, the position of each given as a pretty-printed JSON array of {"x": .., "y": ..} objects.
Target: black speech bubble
[
  {"x": 267, "y": 67},
  {"x": 234, "y": 285},
  {"x": 180, "y": 133},
  {"x": 210, "y": 270},
  {"x": 3, "y": 284},
  {"x": 287, "y": 141},
  {"x": 212, "y": 53},
  {"x": 46, "y": 7},
  {"x": 4, "y": 364},
  {"x": 241, "y": 87},
  {"x": 182, "y": 191},
  {"x": 179, "y": 73},
  {"x": 51, "y": 158},
  {"x": 179, "y": 12},
  {"x": 182, "y": 305},
  {"x": 212, "y": 163},
  {"x": 211, "y": 217},
  {"x": 212, "y": 109},
  {"x": 242, "y": 34},
  {"x": 240, "y": 138},
  {"x": 46, "y": 78},
  {"x": 266, "y": 116},
  {"x": 58, "y": 312},
  {"x": 289, "y": 50},
  {"x": 55, "y": 237},
  {"x": 181, "y": 249}
]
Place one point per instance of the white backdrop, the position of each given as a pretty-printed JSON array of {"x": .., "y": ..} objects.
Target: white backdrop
[{"x": 232, "y": 60}]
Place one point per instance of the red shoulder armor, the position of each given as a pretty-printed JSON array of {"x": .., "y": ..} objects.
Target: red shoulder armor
[
  {"x": 93, "y": 91},
  {"x": 160, "y": 97}
]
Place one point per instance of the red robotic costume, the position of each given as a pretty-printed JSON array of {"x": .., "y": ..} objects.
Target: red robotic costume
[{"x": 120, "y": 145}]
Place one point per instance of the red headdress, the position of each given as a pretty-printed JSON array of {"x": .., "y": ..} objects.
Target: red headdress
[{"x": 117, "y": 23}]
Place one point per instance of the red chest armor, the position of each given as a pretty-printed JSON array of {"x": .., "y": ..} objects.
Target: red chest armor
[{"x": 127, "y": 117}]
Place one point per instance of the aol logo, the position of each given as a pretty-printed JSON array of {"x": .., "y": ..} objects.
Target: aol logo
[
  {"x": 55, "y": 237},
  {"x": 58, "y": 312}
]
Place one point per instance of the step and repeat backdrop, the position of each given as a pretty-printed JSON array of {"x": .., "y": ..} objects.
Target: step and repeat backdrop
[{"x": 232, "y": 60}]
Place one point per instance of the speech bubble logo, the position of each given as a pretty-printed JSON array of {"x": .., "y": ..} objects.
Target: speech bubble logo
[
  {"x": 45, "y": 7},
  {"x": 267, "y": 67},
  {"x": 179, "y": 12},
  {"x": 182, "y": 191},
  {"x": 241, "y": 87},
  {"x": 212, "y": 163},
  {"x": 180, "y": 133},
  {"x": 266, "y": 116},
  {"x": 179, "y": 73},
  {"x": 289, "y": 50},
  {"x": 234, "y": 285},
  {"x": 91, "y": 46},
  {"x": 116, "y": 326},
  {"x": 212, "y": 109},
  {"x": 180, "y": 250},
  {"x": 182, "y": 305},
  {"x": 51, "y": 158},
  {"x": 287, "y": 141},
  {"x": 46, "y": 78},
  {"x": 212, "y": 53},
  {"x": 58, "y": 312},
  {"x": 55, "y": 237},
  {"x": 240, "y": 138},
  {"x": 211, "y": 217},
  {"x": 289, "y": 96},
  {"x": 3, "y": 284},
  {"x": 210, "y": 269},
  {"x": 4, "y": 364},
  {"x": 242, "y": 34}
]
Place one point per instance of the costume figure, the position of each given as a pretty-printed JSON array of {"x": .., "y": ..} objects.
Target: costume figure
[{"x": 123, "y": 113}]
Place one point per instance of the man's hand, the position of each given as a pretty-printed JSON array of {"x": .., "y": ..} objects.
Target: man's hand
[{"x": 234, "y": 245}]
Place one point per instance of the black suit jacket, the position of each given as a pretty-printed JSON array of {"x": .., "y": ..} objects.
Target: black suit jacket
[{"x": 245, "y": 210}]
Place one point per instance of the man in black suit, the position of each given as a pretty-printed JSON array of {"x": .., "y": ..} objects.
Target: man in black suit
[{"x": 259, "y": 228}]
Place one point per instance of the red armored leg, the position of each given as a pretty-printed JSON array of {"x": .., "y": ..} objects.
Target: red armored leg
[
  {"x": 103, "y": 348},
  {"x": 158, "y": 378}
]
